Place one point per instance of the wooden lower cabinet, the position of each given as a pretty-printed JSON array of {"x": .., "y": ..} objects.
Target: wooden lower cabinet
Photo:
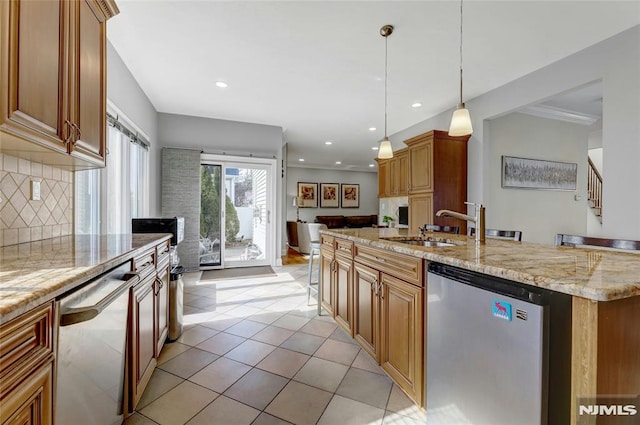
[
  {"x": 162, "y": 307},
  {"x": 388, "y": 316},
  {"x": 143, "y": 342},
  {"x": 402, "y": 334},
  {"x": 366, "y": 309},
  {"x": 343, "y": 284},
  {"x": 27, "y": 364},
  {"x": 32, "y": 401},
  {"x": 326, "y": 280}
]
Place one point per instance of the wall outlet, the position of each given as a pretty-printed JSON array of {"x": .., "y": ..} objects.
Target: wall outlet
[{"x": 35, "y": 190}]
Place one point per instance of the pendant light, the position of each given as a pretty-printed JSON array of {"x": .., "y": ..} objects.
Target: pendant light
[
  {"x": 385, "y": 151},
  {"x": 460, "y": 121}
]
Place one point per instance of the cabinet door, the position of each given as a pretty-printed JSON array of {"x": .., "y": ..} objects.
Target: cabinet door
[
  {"x": 327, "y": 280},
  {"x": 420, "y": 211},
  {"x": 421, "y": 166},
  {"x": 402, "y": 335},
  {"x": 392, "y": 182},
  {"x": 34, "y": 47},
  {"x": 88, "y": 88},
  {"x": 162, "y": 308},
  {"x": 344, "y": 293},
  {"x": 144, "y": 341},
  {"x": 403, "y": 173},
  {"x": 32, "y": 401},
  {"x": 383, "y": 178},
  {"x": 366, "y": 308}
]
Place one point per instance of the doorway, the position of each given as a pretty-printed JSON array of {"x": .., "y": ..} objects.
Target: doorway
[{"x": 237, "y": 202}]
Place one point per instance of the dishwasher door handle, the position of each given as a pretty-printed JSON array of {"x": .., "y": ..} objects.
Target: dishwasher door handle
[{"x": 72, "y": 316}]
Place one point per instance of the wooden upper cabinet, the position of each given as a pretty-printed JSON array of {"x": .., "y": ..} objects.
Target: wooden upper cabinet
[
  {"x": 383, "y": 177},
  {"x": 402, "y": 172},
  {"x": 53, "y": 69},
  {"x": 89, "y": 85},
  {"x": 393, "y": 175},
  {"x": 438, "y": 167},
  {"x": 421, "y": 164},
  {"x": 33, "y": 71}
]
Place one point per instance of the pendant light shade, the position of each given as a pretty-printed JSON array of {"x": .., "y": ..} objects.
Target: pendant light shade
[
  {"x": 385, "y": 151},
  {"x": 461, "y": 120}
]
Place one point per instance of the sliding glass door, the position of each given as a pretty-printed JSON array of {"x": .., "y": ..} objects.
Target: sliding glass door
[
  {"x": 237, "y": 203},
  {"x": 211, "y": 214}
]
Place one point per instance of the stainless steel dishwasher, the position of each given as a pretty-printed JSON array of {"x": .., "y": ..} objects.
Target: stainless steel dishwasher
[
  {"x": 92, "y": 350},
  {"x": 496, "y": 351}
]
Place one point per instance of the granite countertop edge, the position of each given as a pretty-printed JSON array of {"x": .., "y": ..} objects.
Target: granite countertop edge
[
  {"x": 14, "y": 305},
  {"x": 448, "y": 255}
]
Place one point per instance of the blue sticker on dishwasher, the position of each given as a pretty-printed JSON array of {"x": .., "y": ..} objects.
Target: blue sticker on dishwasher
[{"x": 501, "y": 310}]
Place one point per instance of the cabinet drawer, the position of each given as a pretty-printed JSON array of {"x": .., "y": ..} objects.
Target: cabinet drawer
[
  {"x": 163, "y": 251},
  {"x": 24, "y": 343},
  {"x": 145, "y": 263},
  {"x": 405, "y": 267},
  {"x": 344, "y": 248},
  {"x": 327, "y": 241}
]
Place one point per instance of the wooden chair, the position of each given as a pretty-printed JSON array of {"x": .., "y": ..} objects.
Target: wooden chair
[
  {"x": 446, "y": 229},
  {"x": 515, "y": 235},
  {"x": 573, "y": 240}
]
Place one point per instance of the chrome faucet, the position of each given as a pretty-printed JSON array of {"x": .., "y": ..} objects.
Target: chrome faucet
[{"x": 478, "y": 219}]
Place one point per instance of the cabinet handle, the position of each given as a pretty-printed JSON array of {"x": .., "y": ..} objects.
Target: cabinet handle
[
  {"x": 374, "y": 286},
  {"x": 70, "y": 131},
  {"x": 380, "y": 292},
  {"x": 382, "y": 260},
  {"x": 79, "y": 134}
]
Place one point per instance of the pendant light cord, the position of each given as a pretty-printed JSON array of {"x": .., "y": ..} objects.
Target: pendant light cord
[
  {"x": 461, "y": 51},
  {"x": 386, "y": 42}
]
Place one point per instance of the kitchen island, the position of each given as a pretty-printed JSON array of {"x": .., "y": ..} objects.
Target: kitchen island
[{"x": 604, "y": 286}]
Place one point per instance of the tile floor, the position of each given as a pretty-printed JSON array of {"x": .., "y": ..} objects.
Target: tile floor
[{"x": 253, "y": 352}]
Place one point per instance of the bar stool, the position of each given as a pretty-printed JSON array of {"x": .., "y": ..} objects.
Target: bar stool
[{"x": 314, "y": 249}]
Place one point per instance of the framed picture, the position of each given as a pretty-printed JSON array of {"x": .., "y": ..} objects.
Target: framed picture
[
  {"x": 350, "y": 195},
  {"x": 329, "y": 195},
  {"x": 523, "y": 173},
  {"x": 308, "y": 192}
]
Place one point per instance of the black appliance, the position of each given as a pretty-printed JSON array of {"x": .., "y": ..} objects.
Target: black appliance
[
  {"x": 403, "y": 215},
  {"x": 173, "y": 225}
]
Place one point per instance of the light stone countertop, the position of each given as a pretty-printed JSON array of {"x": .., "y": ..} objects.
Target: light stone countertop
[
  {"x": 596, "y": 274},
  {"x": 36, "y": 272}
]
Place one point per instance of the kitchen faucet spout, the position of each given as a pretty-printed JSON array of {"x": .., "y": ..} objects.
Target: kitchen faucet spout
[{"x": 478, "y": 219}]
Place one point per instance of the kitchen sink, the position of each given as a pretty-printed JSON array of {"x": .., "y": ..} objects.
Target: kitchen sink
[
  {"x": 419, "y": 242},
  {"x": 424, "y": 243}
]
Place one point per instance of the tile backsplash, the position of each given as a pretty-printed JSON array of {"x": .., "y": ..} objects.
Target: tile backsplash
[
  {"x": 24, "y": 220},
  {"x": 389, "y": 206}
]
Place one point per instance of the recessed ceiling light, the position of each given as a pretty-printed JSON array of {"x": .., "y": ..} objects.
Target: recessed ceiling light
[
  {"x": 221, "y": 84},
  {"x": 301, "y": 159},
  {"x": 375, "y": 148},
  {"x": 416, "y": 105},
  {"x": 371, "y": 165},
  {"x": 372, "y": 129},
  {"x": 338, "y": 162},
  {"x": 328, "y": 142}
]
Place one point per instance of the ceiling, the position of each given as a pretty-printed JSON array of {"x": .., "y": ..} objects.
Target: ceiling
[{"x": 316, "y": 68}]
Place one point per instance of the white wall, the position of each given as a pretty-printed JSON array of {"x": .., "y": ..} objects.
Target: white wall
[
  {"x": 539, "y": 214},
  {"x": 615, "y": 61},
  {"x": 125, "y": 93},
  {"x": 368, "y": 191}
]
